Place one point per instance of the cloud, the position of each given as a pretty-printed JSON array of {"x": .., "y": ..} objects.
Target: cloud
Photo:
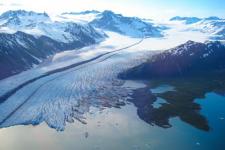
[
  {"x": 1, "y": 4},
  {"x": 15, "y": 4}
]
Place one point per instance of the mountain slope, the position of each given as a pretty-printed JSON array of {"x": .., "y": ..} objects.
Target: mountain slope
[
  {"x": 27, "y": 37},
  {"x": 214, "y": 26},
  {"x": 187, "y": 59},
  {"x": 130, "y": 26},
  {"x": 21, "y": 51}
]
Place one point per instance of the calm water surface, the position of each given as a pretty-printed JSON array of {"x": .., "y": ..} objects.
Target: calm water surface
[{"x": 122, "y": 129}]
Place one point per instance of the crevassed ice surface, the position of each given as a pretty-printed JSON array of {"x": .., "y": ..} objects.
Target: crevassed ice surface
[
  {"x": 115, "y": 41},
  {"x": 62, "y": 97}
]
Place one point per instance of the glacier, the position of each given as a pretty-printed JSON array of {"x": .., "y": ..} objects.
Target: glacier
[
  {"x": 61, "y": 97},
  {"x": 67, "y": 95}
]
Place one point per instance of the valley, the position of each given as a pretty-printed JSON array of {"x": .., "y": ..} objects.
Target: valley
[{"x": 101, "y": 75}]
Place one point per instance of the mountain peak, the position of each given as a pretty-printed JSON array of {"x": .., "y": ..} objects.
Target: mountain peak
[
  {"x": 109, "y": 13},
  {"x": 82, "y": 12},
  {"x": 90, "y": 12},
  {"x": 18, "y": 13},
  {"x": 190, "y": 42},
  {"x": 213, "y": 18},
  {"x": 191, "y": 20},
  {"x": 188, "y": 20},
  {"x": 130, "y": 26},
  {"x": 183, "y": 60},
  {"x": 17, "y": 18}
]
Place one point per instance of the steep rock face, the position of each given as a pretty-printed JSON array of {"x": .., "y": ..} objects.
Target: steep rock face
[
  {"x": 130, "y": 26},
  {"x": 21, "y": 51},
  {"x": 187, "y": 59}
]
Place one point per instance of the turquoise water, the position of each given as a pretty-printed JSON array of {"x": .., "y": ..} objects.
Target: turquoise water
[
  {"x": 121, "y": 129},
  {"x": 213, "y": 107}
]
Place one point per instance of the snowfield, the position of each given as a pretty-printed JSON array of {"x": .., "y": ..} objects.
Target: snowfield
[{"x": 67, "y": 95}]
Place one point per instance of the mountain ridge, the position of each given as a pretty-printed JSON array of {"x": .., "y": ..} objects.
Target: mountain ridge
[
  {"x": 190, "y": 58},
  {"x": 130, "y": 26},
  {"x": 27, "y": 38},
  {"x": 191, "y": 20}
]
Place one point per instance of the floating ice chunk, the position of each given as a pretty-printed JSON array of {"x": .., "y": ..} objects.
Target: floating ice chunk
[
  {"x": 158, "y": 103},
  {"x": 198, "y": 144},
  {"x": 162, "y": 89},
  {"x": 221, "y": 118}
]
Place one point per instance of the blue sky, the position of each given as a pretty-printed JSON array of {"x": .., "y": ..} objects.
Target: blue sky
[
  {"x": 156, "y": 9},
  {"x": 191, "y": 7}
]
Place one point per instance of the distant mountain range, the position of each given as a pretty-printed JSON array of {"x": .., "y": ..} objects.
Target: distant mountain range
[
  {"x": 82, "y": 12},
  {"x": 212, "y": 25},
  {"x": 130, "y": 26},
  {"x": 28, "y": 37},
  {"x": 110, "y": 21},
  {"x": 191, "y": 58},
  {"x": 191, "y": 20},
  {"x": 187, "y": 20},
  {"x": 215, "y": 28}
]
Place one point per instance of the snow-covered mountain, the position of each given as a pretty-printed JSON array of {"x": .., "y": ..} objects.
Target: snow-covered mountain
[
  {"x": 186, "y": 59},
  {"x": 130, "y": 26},
  {"x": 110, "y": 21},
  {"x": 41, "y": 24},
  {"x": 191, "y": 20},
  {"x": 83, "y": 17},
  {"x": 82, "y": 12},
  {"x": 28, "y": 37},
  {"x": 186, "y": 20},
  {"x": 213, "y": 26},
  {"x": 21, "y": 51},
  {"x": 20, "y": 18}
]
